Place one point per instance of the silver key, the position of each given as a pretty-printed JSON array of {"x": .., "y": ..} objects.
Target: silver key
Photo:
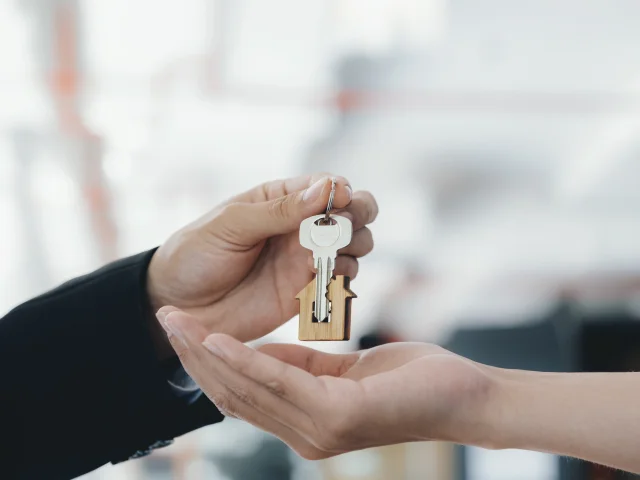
[{"x": 324, "y": 240}]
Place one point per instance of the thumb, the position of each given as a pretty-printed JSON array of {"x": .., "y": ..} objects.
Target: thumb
[{"x": 250, "y": 223}]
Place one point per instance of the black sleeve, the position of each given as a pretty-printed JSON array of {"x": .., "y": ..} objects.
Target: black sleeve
[{"x": 80, "y": 385}]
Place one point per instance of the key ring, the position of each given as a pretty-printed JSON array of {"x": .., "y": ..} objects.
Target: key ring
[{"x": 330, "y": 204}]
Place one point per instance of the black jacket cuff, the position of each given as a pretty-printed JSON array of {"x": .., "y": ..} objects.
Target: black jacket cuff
[{"x": 84, "y": 379}]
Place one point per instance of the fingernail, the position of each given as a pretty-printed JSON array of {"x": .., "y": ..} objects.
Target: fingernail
[
  {"x": 314, "y": 191},
  {"x": 175, "y": 331},
  {"x": 349, "y": 191},
  {"x": 214, "y": 348},
  {"x": 161, "y": 316}
]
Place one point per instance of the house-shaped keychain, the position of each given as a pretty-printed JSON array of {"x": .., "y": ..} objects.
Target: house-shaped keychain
[{"x": 339, "y": 325}]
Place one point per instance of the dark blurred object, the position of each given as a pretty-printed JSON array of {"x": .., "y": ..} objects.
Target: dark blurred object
[
  {"x": 568, "y": 340},
  {"x": 375, "y": 339},
  {"x": 609, "y": 344},
  {"x": 158, "y": 468},
  {"x": 272, "y": 461}
]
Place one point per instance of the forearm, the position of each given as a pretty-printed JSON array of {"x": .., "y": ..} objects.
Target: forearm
[{"x": 593, "y": 416}]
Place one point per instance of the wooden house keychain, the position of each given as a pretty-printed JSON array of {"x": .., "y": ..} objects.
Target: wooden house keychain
[{"x": 325, "y": 303}]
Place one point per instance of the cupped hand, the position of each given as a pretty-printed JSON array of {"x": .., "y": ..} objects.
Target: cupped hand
[
  {"x": 324, "y": 404},
  {"x": 239, "y": 268}
]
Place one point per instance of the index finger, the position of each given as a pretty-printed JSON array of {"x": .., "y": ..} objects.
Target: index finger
[{"x": 282, "y": 187}]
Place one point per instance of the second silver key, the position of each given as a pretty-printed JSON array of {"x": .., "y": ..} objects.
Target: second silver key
[{"x": 324, "y": 240}]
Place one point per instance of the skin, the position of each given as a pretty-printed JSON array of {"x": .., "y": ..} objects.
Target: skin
[
  {"x": 323, "y": 404},
  {"x": 234, "y": 274},
  {"x": 239, "y": 268}
]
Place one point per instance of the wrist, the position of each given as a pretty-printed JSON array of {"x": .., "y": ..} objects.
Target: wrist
[
  {"x": 472, "y": 410},
  {"x": 498, "y": 415},
  {"x": 154, "y": 290},
  {"x": 155, "y": 301},
  {"x": 481, "y": 416},
  {"x": 489, "y": 414},
  {"x": 519, "y": 408}
]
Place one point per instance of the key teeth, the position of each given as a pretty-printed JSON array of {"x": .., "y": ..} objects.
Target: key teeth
[
  {"x": 311, "y": 330},
  {"x": 326, "y": 295}
]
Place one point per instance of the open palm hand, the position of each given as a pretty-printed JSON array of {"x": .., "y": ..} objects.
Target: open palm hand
[{"x": 323, "y": 404}]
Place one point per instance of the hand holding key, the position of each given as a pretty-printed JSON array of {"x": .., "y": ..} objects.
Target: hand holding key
[{"x": 238, "y": 268}]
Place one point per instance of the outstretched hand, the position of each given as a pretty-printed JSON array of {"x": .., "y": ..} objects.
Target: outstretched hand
[{"x": 324, "y": 404}]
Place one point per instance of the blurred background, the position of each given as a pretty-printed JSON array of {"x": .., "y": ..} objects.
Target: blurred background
[{"x": 500, "y": 137}]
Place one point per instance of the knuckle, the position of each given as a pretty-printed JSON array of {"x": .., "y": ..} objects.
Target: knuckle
[
  {"x": 278, "y": 208},
  {"x": 230, "y": 210},
  {"x": 276, "y": 388},
  {"x": 371, "y": 206},
  {"x": 243, "y": 395},
  {"x": 227, "y": 224},
  {"x": 243, "y": 363},
  {"x": 371, "y": 214},
  {"x": 347, "y": 362},
  {"x": 267, "y": 188},
  {"x": 181, "y": 352},
  {"x": 226, "y": 213}
]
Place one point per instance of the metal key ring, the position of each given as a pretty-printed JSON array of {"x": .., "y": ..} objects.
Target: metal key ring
[{"x": 330, "y": 204}]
